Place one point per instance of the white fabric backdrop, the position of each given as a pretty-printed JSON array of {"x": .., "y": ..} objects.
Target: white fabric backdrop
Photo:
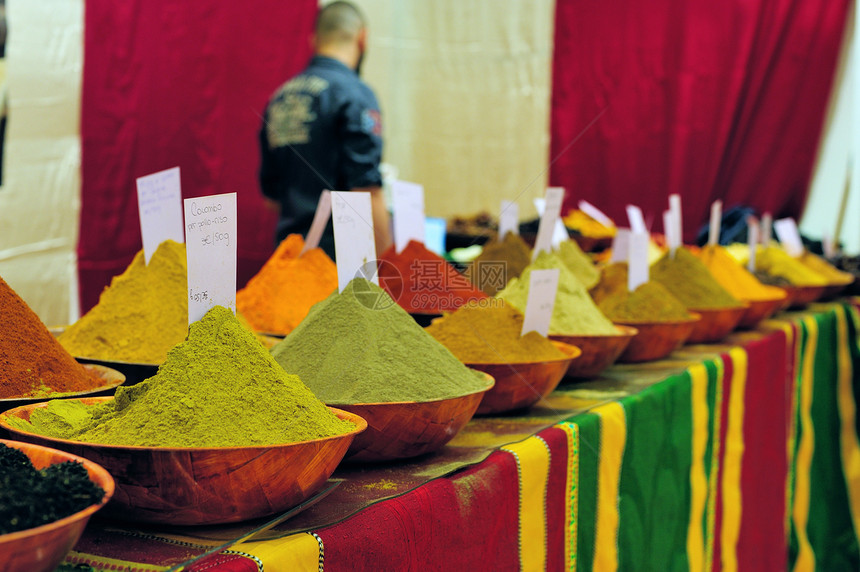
[{"x": 40, "y": 197}]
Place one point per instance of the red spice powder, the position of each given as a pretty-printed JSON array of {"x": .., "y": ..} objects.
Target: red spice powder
[
  {"x": 31, "y": 359},
  {"x": 423, "y": 282}
]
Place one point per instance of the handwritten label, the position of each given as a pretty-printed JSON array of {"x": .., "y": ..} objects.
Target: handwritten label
[
  {"x": 789, "y": 236},
  {"x": 321, "y": 217},
  {"x": 354, "y": 247},
  {"x": 620, "y": 245},
  {"x": 766, "y": 229},
  {"x": 509, "y": 219},
  {"x": 753, "y": 231},
  {"x": 541, "y": 300},
  {"x": 716, "y": 222},
  {"x": 596, "y": 214},
  {"x": 408, "y": 206},
  {"x": 637, "y": 221},
  {"x": 159, "y": 204},
  {"x": 637, "y": 261},
  {"x": 549, "y": 210},
  {"x": 210, "y": 230}
]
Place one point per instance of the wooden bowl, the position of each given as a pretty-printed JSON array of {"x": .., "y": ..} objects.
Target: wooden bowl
[
  {"x": 111, "y": 379},
  {"x": 212, "y": 485},
  {"x": 598, "y": 352},
  {"x": 833, "y": 290},
  {"x": 716, "y": 323},
  {"x": 522, "y": 384},
  {"x": 761, "y": 310},
  {"x": 400, "y": 430},
  {"x": 656, "y": 340},
  {"x": 42, "y": 548},
  {"x": 802, "y": 296}
]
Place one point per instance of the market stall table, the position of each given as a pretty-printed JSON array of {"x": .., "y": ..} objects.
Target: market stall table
[{"x": 742, "y": 455}]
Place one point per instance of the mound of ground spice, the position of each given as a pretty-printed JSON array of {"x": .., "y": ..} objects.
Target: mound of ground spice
[
  {"x": 737, "y": 280},
  {"x": 649, "y": 302},
  {"x": 141, "y": 315},
  {"x": 830, "y": 272},
  {"x": 499, "y": 262},
  {"x": 578, "y": 262},
  {"x": 690, "y": 281},
  {"x": 422, "y": 282},
  {"x": 285, "y": 288},
  {"x": 489, "y": 332},
  {"x": 777, "y": 262},
  {"x": 32, "y": 362}
]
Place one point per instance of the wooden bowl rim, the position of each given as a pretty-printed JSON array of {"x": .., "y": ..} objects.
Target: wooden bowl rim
[
  {"x": 712, "y": 311},
  {"x": 491, "y": 382},
  {"x": 359, "y": 422},
  {"x": 106, "y": 483},
  {"x": 622, "y": 330},
  {"x": 692, "y": 318},
  {"x": 571, "y": 353},
  {"x": 114, "y": 377},
  {"x": 769, "y": 300}
]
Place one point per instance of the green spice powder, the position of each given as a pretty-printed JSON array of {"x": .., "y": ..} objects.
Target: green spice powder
[
  {"x": 220, "y": 388},
  {"x": 574, "y": 312},
  {"x": 578, "y": 262},
  {"x": 690, "y": 281},
  {"x": 359, "y": 346},
  {"x": 651, "y": 301}
]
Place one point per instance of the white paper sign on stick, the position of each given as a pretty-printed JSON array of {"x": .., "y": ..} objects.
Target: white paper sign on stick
[
  {"x": 321, "y": 218},
  {"x": 354, "y": 246},
  {"x": 637, "y": 221},
  {"x": 159, "y": 204},
  {"x": 541, "y": 300},
  {"x": 637, "y": 260},
  {"x": 668, "y": 227},
  {"x": 548, "y": 220},
  {"x": 753, "y": 231},
  {"x": 620, "y": 245},
  {"x": 210, "y": 231},
  {"x": 828, "y": 245},
  {"x": 789, "y": 236},
  {"x": 766, "y": 229},
  {"x": 509, "y": 219},
  {"x": 675, "y": 207},
  {"x": 596, "y": 214},
  {"x": 408, "y": 206},
  {"x": 716, "y": 221}
]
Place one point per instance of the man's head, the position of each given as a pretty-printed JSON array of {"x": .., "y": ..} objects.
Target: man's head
[{"x": 340, "y": 32}]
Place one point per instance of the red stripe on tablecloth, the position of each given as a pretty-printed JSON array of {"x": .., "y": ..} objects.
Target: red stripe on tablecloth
[
  {"x": 728, "y": 372},
  {"x": 466, "y": 522},
  {"x": 556, "y": 492}
]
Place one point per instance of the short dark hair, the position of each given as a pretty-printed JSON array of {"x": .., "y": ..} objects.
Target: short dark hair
[{"x": 338, "y": 22}]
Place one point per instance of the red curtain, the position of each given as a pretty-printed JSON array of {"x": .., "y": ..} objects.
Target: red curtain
[
  {"x": 178, "y": 83},
  {"x": 711, "y": 100}
]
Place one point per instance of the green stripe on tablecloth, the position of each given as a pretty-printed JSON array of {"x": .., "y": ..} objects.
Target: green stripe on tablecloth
[
  {"x": 589, "y": 450},
  {"x": 655, "y": 478},
  {"x": 794, "y": 444}
]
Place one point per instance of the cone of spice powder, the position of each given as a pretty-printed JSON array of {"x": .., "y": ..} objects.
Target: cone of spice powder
[
  {"x": 690, "y": 281},
  {"x": 650, "y": 302},
  {"x": 499, "y": 262},
  {"x": 280, "y": 295},
  {"x": 32, "y": 362}
]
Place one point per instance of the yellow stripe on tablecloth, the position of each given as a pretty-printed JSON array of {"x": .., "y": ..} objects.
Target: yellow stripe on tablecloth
[
  {"x": 613, "y": 438},
  {"x": 800, "y": 511},
  {"x": 571, "y": 498},
  {"x": 294, "y": 553},
  {"x": 731, "y": 487},
  {"x": 716, "y": 459},
  {"x": 532, "y": 457},
  {"x": 847, "y": 416},
  {"x": 698, "y": 479}
]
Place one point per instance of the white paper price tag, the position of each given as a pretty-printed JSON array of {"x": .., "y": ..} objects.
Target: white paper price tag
[
  {"x": 408, "y": 206},
  {"x": 828, "y": 245},
  {"x": 716, "y": 222},
  {"x": 753, "y": 231},
  {"x": 766, "y": 229},
  {"x": 541, "y": 300},
  {"x": 596, "y": 214},
  {"x": 548, "y": 232},
  {"x": 159, "y": 204},
  {"x": 321, "y": 217},
  {"x": 354, "y": 247},
  {"x": 637, "y": 262},
  {"x": 620, "y": 245},
  {"x": 676, "y": 237},
  {"x": 210, "y": 231},
  {"x": 789, "y": 236},
  {"x": 637, "y": 221},
  {"x": 509, "y": 219}
]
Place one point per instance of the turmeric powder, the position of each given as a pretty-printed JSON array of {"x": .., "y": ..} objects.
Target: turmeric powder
[
  {"x": 283, "y": 291},
  {"x": 736, "y": 279}
]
